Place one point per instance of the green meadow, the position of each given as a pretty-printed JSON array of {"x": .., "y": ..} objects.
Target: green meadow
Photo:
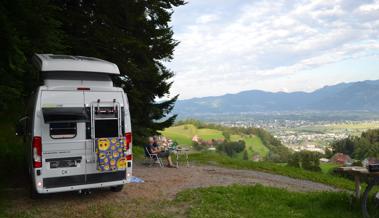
[
  {"x": 264, "y": 202},
  {"x": 183, "y": 134}
]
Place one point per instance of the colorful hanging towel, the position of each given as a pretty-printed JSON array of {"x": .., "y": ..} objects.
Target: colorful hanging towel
[{"x": 111, "y": 154}]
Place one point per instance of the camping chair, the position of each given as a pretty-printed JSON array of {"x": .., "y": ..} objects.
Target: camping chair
[{"x": 152, "y": 158}]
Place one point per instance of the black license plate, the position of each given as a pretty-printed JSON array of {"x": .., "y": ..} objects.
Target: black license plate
[{"x": 62, "y": 163}]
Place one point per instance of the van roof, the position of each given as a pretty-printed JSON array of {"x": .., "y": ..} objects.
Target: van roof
[{"x": 54, "y": 62}]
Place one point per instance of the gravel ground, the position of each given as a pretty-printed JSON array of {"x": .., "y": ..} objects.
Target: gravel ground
[
  {"x": 166, "y": 182},
  {"x": 140, "y": 198}
]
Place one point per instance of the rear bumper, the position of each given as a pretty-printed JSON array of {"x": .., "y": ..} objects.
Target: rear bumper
[
  {"x": 80, "y": 187},
  {"x": 78, "y": 182}
]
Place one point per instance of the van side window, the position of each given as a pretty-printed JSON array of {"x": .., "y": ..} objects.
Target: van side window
[{"x": 63, "y": 130}]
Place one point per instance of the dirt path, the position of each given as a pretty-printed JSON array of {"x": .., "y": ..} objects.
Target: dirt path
[
  {"x": 137, "y": 199},
  {"x": 167, "y": 182}
]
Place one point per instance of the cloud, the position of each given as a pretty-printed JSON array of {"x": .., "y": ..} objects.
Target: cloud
[
  {"x": 236, "y": 48},
  {"x": 207, "y": 18}
]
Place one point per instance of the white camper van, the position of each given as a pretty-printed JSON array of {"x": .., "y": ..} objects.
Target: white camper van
[{"x": 79, "y": 126}]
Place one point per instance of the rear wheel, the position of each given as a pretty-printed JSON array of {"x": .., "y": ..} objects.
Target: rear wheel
[
  {"x": 33, "y": 193},
  {"x": 32, "y": 190},
  {"x": 117, "y": 188}
]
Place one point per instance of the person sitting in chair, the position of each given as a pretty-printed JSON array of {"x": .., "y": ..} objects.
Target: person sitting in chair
[
  {"x": 162, "y": 154},
  {"x": 156, "y": 142}
]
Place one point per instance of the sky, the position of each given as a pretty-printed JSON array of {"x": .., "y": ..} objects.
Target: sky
[{"x": 228, "y": 46}]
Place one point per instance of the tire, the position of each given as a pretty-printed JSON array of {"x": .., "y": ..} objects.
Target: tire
[
  {"x": 370, "y": 204},
  {"x": 32, "y": 190},
  {"x": 117, "y": 188},
  {"x": 34, "y": 194}
]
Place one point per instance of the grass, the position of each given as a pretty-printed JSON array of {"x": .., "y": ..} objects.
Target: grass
[
  {"x": 264, "y": 202},
  {"x": 138, "y": 152},
  {"x": 327, "y": 168},
  {"x": 254, "y": 145},
  {"x": 183, "y": 135},
  {"x": 208, "y": 134},
  {"x": 354, "y": 128},
  {"x": 232, "y": 201},
  {"x": 11, "y": 160},
  {"x": 2, "y": 201},
  {"x": 223, "y": 160}
]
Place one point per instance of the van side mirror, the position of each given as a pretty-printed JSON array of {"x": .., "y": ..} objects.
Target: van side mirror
[{"x": 21, "y": 126}]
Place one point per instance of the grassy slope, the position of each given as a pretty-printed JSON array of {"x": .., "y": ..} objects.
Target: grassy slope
[
  {"x": 223, "y": 160},
  {"x": 253, "y": 144},
  {"x": 232, "y": 201},
  {"x": 328, "y": 167},
  {"x": 183, "y": 135},
  {"x": 281, "y": 169},
  {"x": 263, "y": 202}
]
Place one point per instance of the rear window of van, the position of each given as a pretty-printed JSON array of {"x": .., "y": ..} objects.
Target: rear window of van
[{"x": 63, "y": 130}]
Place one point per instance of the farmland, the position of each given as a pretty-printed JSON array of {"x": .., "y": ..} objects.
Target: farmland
[{"x": 183, "y": 135}]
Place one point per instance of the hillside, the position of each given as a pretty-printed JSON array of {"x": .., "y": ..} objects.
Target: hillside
[
  {"x": 183, "y": 135},
  {"x": 341, "y": 97}
]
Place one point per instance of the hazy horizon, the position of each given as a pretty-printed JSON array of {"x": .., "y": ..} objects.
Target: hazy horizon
[
  {"x": 310, "y": 91},
  {"x": 231, "y": 46}
]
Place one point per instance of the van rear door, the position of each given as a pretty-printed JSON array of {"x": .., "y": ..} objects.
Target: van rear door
[
  {"x": 104, "y": 99},
  {"x": 63, "y": 138}
]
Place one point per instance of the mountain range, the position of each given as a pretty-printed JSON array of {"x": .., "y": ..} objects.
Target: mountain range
[{"x": 354, "y": 96}]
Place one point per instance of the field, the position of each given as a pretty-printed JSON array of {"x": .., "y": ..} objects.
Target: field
[
  {"x": 363, "y": 125},
  {"x": 254, "y": 201},
  {"x": 261, "y": 202},
  {"x": 212, "y": 158},
  {"x": 183, "y": 135},
  {"x": 328, "y": 167},
  {"x": 354, "y": 128},
  {"x": 253, "y": 145}
]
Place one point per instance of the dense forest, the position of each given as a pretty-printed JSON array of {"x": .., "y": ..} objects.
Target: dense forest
[
  {"x": 359, "y": 147},
  {"x": 135, "y": 35}
]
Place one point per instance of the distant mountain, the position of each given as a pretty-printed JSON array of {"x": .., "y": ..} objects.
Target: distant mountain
[{"x": 353, "y": 96}]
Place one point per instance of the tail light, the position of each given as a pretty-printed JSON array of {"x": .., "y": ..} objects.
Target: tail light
[
  {"x": 129, "y": 157},
  {"x": 128, "y": 140},
  {"x": 37, "y": 151}
]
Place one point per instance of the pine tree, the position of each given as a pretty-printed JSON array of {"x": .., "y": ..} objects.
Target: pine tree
[
  {"x": 136, "y": 36},
  {"x": 26, "y": 26}
]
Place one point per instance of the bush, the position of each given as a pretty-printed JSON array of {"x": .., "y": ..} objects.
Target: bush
[
  {"x": 245, "y": 155},
  {"x": 197, "y": 146},
  {"x": 231, "y": 148},
  {"x": 226, "y": 135},
  {"x": 307, "y": 160},
  {"x": 294, "y": 160}
]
